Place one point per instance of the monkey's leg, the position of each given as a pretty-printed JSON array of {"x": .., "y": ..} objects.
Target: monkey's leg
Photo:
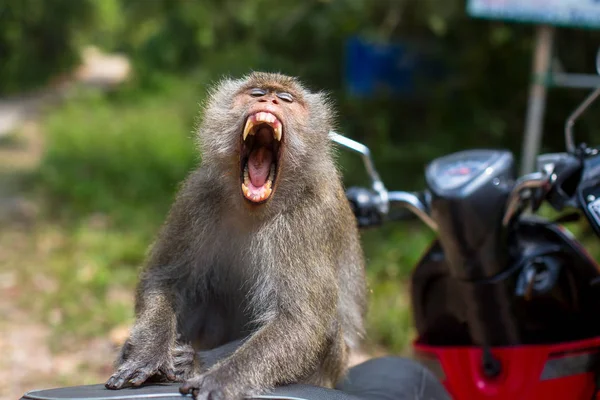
[
  {"x": 148, "y": 351},
  {"x": 281, "y": 352}
]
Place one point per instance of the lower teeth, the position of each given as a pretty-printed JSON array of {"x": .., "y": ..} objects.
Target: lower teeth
[{"x": 267, "y": 191}]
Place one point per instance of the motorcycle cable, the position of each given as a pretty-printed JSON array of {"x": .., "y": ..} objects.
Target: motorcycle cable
[{"x": 491, "y": 365}]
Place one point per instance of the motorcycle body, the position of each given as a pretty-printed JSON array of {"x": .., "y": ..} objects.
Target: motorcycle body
[{"x": 503, "y": 311}]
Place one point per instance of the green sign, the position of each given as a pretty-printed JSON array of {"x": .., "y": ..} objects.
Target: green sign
[{"x": 574, "y": 13}]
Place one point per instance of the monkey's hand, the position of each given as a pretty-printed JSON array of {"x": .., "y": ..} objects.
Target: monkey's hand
[
  {"x": 208, "y": 386},
  {"x": 137, "y": 367},
  {"x": 138, "y": 371}
]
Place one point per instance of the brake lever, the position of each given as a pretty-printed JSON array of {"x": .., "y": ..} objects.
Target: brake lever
[
  {"x": 529, "y": 182},
  {"x": 413, "y": 203}
]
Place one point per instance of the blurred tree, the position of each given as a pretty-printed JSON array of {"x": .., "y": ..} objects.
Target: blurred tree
[
  {"x": 480, "y": 103},
  {"x": 38, "y": 39}
]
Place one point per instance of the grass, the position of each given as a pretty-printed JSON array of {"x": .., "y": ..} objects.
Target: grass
[
  {"x": 109, "y": 172},
  {"x": 118, "y": 158}
]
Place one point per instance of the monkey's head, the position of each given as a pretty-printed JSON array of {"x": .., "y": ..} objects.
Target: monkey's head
[{"x": 266, "y": 138}]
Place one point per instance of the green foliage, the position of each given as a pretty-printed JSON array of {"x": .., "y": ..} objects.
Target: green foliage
[
  {"x": 119, "y": 157},
  {"x": 392, "y": 252},
  {"x": 97, "y": 270},
  {"x": 38, "y": 40},
  {"x": 108, "y": 176}
]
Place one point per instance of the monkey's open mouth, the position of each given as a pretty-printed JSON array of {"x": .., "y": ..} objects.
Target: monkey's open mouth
[{"x": 261, "y": 140}]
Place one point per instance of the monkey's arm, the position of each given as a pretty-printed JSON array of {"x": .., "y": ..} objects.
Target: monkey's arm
[
  {"x": 151, "y": 346},
  {"x": 148, "y": 350}
]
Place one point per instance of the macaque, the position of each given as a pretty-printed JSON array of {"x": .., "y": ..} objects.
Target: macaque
[{"x": 260, "y": 247}]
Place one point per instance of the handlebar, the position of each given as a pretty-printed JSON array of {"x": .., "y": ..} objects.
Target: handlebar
[
  {"x": 372, "y": 207},
  {"x": 382, "y": 203},
  {"x": 364, "y": 203}
]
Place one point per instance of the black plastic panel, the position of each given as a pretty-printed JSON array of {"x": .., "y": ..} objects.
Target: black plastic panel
[{"x": 171, "y": 392}]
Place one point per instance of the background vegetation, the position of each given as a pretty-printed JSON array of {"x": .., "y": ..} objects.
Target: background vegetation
[{"x": 112, "y": 161}]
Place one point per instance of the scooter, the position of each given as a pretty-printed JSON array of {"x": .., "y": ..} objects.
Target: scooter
[{"x": 506, "y": 304}]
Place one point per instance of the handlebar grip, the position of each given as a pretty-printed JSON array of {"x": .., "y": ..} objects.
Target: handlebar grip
[{"x": 364, "y": 206}]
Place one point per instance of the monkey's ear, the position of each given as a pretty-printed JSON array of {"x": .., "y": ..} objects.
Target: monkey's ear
[
  {"x": 223, "y": 90},
  {"x": 321, "y": 108}
]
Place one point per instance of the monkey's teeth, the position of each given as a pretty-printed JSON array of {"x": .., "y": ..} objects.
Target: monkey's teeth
[
  {"x": 248, "y": 128},
  {"x": 277, "y": 132},
  {"x": 259, "y": 117},
  {"x": 245, "y": 190},
  {"x": 257, "y": 197},
  {"x": 266, "y": 194}
]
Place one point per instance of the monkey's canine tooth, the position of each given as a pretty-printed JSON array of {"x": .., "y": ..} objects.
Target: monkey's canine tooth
[
  {"x": 277, "y": 133},
  {"x": 247, "y": 128},
  {"x": 245, "y": 190}
]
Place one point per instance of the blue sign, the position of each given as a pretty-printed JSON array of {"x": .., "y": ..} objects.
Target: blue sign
[
  {"x": 575, "y": 13},
  {"x": 379, "y": 68}
]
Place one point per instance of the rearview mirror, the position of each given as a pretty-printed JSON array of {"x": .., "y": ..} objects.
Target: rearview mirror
[{"x": 569, "y": 137}]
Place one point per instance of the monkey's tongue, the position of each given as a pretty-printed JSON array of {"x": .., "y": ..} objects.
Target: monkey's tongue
[{"x": 259, "y": 165}]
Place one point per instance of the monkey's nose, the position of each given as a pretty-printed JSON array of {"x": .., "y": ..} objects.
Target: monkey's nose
[{"x": 271, "y": 99}]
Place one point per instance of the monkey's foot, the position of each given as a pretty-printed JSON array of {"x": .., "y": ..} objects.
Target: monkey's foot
[
  {"x": 206, "y": 387},
  {"x": 138, "y": 372}
]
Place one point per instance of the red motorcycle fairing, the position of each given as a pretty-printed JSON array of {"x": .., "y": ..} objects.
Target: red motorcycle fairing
[{"x": 565, "y": 371}]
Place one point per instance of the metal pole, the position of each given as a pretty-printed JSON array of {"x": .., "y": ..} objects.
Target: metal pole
[{"x": 537, "y": 97}]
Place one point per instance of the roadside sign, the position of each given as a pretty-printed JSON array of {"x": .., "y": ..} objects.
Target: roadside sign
[{"x": 573, "y": 13}]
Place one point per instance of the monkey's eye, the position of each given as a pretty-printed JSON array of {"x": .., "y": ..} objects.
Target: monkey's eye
[
  {"x": 285, "y": 96},
  {"x": 257, "y": 92}
]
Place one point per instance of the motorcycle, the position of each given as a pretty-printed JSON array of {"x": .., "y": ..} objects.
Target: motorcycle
[{"x": 505, "y": 302}]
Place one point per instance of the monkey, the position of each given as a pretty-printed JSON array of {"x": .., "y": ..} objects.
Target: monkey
[{"x": 260, "y": 247}]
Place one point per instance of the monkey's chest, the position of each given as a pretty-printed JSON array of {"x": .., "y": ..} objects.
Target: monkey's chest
[{"x": 223, "y": 314}]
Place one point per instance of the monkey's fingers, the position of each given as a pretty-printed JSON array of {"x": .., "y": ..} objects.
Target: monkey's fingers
[
  {"x": 202, "y": 388},
  {"x": 188, "y": 388},
  {"x": 182, "y": 349},
  {"x": 141, "y": 376},
  {"x": 183, "y": 356},
  {"x": 168, "y": 373},
  {"x": 118, "y": 379}
]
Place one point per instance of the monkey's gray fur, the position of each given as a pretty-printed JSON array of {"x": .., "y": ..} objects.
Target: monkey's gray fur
[{"x": 287, "y": 276}]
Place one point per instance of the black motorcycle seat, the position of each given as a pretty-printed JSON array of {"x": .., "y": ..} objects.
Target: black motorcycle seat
[
  {"x": 170, "y": 391},
  {"x": 386, "y": 378}
]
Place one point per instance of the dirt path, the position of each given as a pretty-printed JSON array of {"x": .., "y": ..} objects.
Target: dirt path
[{"x": 28, "y": 361}]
